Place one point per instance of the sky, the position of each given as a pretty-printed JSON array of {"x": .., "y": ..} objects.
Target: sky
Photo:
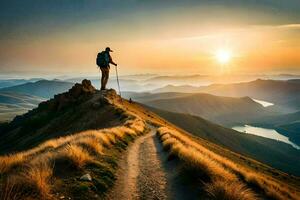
[{"x": 40, "y": 37}]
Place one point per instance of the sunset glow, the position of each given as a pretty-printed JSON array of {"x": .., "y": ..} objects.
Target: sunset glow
[
  {"x": 223, "y": 56},
  {"x": 59, "y": 41}
]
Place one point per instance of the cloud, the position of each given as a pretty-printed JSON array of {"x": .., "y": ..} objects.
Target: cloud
[
  {"x": 280, "y": 26},
  {"x": 289, "y": 26}
]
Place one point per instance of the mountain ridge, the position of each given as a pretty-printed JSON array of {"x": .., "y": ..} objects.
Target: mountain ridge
[
  {"x": 41, "y": 88},
  {"x": 224, "y": 110}
]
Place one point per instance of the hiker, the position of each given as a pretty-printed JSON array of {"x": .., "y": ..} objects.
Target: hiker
[{"x": 103, "y": 61}]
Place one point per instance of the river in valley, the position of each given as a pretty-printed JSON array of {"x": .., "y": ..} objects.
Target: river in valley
[
  {"x": 263, "y": 103},
  {"x": 265, "y": 132}
]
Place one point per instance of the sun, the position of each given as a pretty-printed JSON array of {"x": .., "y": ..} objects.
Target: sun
[{"x": 223, "y": 56}]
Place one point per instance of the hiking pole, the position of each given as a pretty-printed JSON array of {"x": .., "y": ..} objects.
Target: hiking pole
[{"x": 118, "y": 82}]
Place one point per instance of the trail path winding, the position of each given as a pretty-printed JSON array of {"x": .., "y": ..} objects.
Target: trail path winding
[{"x": 141, "y": 175}]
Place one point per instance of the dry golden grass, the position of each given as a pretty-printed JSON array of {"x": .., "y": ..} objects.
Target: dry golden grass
[
  {"x": 213, "y": 164},
  {"x": 33, "y": 180},
  {"x": 9, "y": 161},
  {"x": 76, "y": 154},
  {"x": 37, "y": 177},
  {"x": 10, "y": 190},
  {"x": 104, "y": 140},
  {"x": 92, "y": 143},
  {"x": 35, "y": 164},
  {"x": 228, "y": 190},
  {"x": 204, "y": 163}
]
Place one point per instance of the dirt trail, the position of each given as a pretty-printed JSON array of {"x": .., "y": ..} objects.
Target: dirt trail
[{"x": 141, "y": 175}]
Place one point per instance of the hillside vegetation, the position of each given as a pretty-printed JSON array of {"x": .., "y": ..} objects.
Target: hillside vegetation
[
  {"x": 52, "y": 170},
  {"x": 223, "y": 179},
  {"x": 39, "y": 172},
  {"x": 74, "y": 146},
  {"x": 76, "y": 110}
]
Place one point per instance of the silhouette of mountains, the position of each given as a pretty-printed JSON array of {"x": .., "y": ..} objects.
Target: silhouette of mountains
[
  {"x": 43, "y": 88},
  {"x": 284, "y": 93},
  {"x": 223, "y": 110},
  {"x": 12, "y": 104},
  {"x": 13, "y": 82}
]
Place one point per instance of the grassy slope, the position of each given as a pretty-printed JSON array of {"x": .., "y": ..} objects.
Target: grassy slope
[
  {"x": 217, "y": 176},
  {"x": 159, "y": 120},
  {"x": 44, "y": 123},
  {"x": 53, "y": 168},
  {"x": 239, "y": 159}
]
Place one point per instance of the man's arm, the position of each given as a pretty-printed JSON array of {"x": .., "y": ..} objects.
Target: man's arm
[{"x": 111, "y": 61}]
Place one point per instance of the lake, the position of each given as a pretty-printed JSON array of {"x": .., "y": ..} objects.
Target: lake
[
  {"x": 265, "y": 132},
  {"x": 263, "y": 103}
]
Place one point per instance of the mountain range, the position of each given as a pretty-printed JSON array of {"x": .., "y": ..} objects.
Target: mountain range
[
  {"x": 12, "y": 104},
  {"x": 43, "y": 88},
  {"x": 283, "y": 93},
  {"x": 224, "y": 110}
]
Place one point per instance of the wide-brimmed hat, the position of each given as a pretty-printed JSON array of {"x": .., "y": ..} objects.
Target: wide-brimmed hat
[{"x": 108, "y": 49}]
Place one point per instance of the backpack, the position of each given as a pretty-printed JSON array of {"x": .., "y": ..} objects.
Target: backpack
[{"x": 101, "y": 60}]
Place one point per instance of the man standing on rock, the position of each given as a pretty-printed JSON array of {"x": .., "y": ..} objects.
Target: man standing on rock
[{"x": 103, "y": 61}]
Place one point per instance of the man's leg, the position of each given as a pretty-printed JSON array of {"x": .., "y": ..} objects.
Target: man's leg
[
  {"x": 102, "y": 78},
  {"x": 106, "y": 76}
]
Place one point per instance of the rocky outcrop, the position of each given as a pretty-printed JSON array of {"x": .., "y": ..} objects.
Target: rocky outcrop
[
  {"x": 75, "y": 94},
  {"x": 81, "y": 89},
  {"x": 80, "y": 92}
]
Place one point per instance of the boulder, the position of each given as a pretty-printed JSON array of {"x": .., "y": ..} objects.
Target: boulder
[{"x": 86, "y": 177}]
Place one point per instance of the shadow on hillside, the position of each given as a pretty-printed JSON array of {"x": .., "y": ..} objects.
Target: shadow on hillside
[
  {"x": 81, "y": 108},
  {"x": 182, "y": 183}
]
